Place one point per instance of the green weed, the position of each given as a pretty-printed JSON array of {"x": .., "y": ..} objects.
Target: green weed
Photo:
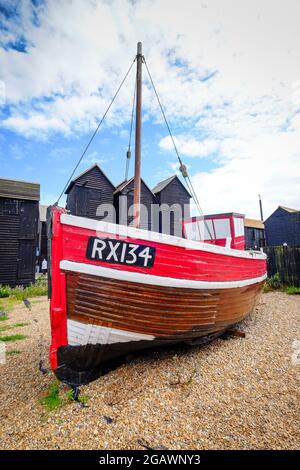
[
  {"x": 12, "y": 338},
  {"x": 52, "y": 400},
  {"x": 9, "y": 327},
  {"x": 83, "y": 399},
  {"x": 13, "y": 352},
  {"x": 272, "y": 283},
  {"x": 20, "y": 292},
  {"x": 4, "y": 292},
  {"x": 293, "y": 290}
]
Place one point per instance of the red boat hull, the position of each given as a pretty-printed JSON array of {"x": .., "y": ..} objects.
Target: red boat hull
[{"x": 104, "y": 305}]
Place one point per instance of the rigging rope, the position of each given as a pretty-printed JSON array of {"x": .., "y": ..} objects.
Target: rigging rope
[
  {"x": 182, "y": 167},
  {"x": 96, "y": 130},
  {"x": 128, "y": 155}
]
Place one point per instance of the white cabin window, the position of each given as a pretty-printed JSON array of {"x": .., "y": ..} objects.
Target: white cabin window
[
  {"x": 222, "y": 228},
  {"x": 238, "y": 227}
]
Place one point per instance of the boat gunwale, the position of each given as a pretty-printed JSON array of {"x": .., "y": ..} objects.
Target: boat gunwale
[{"x": 140, "y": 234}]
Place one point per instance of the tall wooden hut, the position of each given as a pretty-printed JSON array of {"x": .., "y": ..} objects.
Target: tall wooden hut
[
  {"x": 283, "y": 227},
  {"x": 19, "y": 215},
  {"x": 122, "y": 204},
  {"x": 174, "y": 202},
  {"x": 89, "y": 190}
]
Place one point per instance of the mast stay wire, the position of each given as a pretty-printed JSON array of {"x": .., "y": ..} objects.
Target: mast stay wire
[
  {"x": 95, "y": 131},
  {"x": 128, "y": 154},
  {"x": 182, "y": 167}
]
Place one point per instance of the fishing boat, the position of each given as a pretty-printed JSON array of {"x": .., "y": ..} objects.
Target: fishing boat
[{"x": 115, "y": 289}]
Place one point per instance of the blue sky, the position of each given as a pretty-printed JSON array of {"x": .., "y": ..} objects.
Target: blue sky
[
  {"x": 51, "y": 160},
  {"x": 228, "y": 75}
]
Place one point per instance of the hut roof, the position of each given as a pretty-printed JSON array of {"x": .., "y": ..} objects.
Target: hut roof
[
  {"x": 85, "y": 172},
  {"x": 19, "y": 189},
  {"x": 123, "y": 184},
  {"x": 254, "y": 223},
  {"x": 163, "y": 184},
  {"x": 288, "y": 209}
]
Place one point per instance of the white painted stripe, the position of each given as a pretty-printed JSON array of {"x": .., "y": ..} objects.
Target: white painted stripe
[
  {"x": 132, "y": 232},
  {"x": 86, "y": 333},
  {"x": 154, "y": 280}
]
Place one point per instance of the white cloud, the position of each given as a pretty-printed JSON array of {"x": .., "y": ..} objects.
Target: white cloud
[
  {"x": 35, "y": 124},
  {"x": 80, "y": 49},
  {"x": 92, "y": 158},
  {"x": 268, "y": 165},
  {"x": 2, "y": 93},
  {"x": 295, "y": 123},
  {"x": 189, "y": 146}
]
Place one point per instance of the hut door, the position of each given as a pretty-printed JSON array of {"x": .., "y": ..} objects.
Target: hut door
[
  {"x": 81, "y": 201},
  {"x": 94, "y": 200},
  {"x": 27, "y": 242},
  {"x": 26, "y": 261}
]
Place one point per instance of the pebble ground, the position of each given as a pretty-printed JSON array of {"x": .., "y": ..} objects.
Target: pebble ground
[{"x": 239, "y": 393}]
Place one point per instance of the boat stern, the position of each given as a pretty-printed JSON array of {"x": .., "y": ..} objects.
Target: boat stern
[{"x": 56, "y": 284}]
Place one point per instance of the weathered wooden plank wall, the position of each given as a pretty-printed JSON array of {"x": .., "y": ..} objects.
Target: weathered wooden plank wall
[
  {"x": 284, "y": 260},
  {"x": 18, "y": 240}
]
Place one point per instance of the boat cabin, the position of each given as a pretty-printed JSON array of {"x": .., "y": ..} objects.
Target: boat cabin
[{"x": 218, "y": 229}]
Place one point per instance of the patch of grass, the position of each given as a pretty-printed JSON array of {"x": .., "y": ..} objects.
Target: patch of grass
[
  {"x": 9, "y": 327},
  {"x": 4, "y": 292},
  {"x": 13, "y": 352},
  {"x": 5, "y": 327},
  {"x": 20, "y": 292},
  {"x": 4, "y": 318},
  {"x": 52, "y": 400},
  {"x": 34, "y": 290},
  {"x": 12, "y": 295},
  {"x": 7, "y": 304},
  {"x": 12, "y": 338},
  {"x": 292, "y": 290}
]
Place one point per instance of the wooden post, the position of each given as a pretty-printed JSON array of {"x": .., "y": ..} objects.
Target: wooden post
[
  {"x": 261, "y": 209},
  {"x": 138, "y": 138}
]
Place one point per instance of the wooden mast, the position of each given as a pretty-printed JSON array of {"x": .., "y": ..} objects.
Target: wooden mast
[{"x": 138, "y": 138}]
